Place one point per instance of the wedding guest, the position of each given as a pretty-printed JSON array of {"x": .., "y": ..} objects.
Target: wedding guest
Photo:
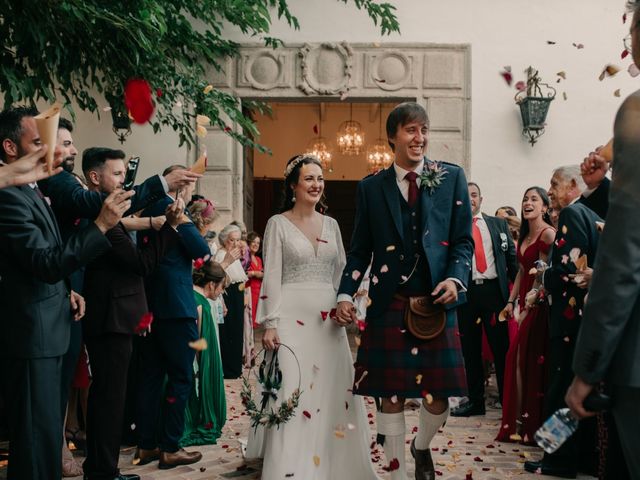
[
  {"x": 255, "y": 273},
  {"x": 494, "y": 266},
  {"x": 36, "y": 304},
  {"x": 28, "y": 169},
  {"x": 526, "y": 370},
  {"x": 116, "y": 302},
  {"x": 577, "y": 235},
  {"x": 509, "y": 214},
  {"x": 607, "y": 346},
  {"x": 304, "y": 257},
  {"x": 245, "y": 259},
  {"x": 232, "y": 331},
  {"x": 206, "y": 410},
  {"x": 165, "y": 352}
]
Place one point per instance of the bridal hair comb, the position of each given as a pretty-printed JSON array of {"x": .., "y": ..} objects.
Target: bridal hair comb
[{"x": 294, "y": 163}]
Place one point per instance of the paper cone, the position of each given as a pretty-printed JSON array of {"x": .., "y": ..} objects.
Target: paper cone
[
  {"x": 607, "y": 151},
  {"x": 581, "y": 262},
  {"x": 201, "y": 164},
  {"x": 47, "y": 123}
]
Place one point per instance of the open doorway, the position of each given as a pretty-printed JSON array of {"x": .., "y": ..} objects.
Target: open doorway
[{"x": 289, "y": 130}]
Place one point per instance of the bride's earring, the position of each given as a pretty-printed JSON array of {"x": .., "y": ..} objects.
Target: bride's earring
[{"x": 293, "y": 197}]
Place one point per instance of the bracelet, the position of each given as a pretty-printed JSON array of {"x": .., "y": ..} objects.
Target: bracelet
[{"x": 512, "y": 302}]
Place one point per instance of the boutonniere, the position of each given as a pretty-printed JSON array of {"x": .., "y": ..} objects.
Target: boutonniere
[
  {"x": 504, "y": 244},
  {"x": 432, "y": 176}
]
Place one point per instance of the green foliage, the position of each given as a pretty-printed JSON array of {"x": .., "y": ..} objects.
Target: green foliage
[{"x": 71, "y": 48}]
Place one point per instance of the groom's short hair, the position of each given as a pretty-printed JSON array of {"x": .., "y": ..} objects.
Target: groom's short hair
[{"x": 401, "y": 115}]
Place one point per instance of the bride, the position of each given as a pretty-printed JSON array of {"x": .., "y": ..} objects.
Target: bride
[{"x": 328, "y": 438}]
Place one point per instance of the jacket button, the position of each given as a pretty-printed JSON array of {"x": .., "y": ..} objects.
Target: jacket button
[{"x": 401, "y": 257}]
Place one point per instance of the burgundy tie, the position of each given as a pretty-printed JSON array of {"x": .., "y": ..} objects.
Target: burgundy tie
[{"x": 413, "y": 188}]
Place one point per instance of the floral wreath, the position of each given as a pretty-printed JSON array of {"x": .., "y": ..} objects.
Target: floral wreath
[{"x": 270, "y": 377}]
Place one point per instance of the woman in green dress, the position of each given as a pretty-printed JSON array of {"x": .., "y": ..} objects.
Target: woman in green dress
[{"x": 206, "y": 410}]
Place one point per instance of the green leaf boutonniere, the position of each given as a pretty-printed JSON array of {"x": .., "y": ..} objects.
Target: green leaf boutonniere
[{"x": 432, "y": 176}]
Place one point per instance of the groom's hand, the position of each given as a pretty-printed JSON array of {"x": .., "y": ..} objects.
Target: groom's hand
[
  {"x": 345, "y": 313},
  {"x": 446, "y": 292}
]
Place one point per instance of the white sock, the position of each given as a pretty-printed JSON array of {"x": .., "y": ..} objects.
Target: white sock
[
  {"x": 392, "y": 426},
  {"x": 428, "y": 426}
]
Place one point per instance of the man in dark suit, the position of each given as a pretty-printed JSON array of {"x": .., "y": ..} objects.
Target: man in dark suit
[
  {"x": 494, "y": 266},
  {"x": 594, "y": 169},
  {"x": 36, "y": 304},
  {"x": 166, "y": 352},
  {"x": 116, "y": 303},
  {"x": 414, "y": 219},
  {"x": 608, "y": 346},
  {"x": 577, "y": 235}
]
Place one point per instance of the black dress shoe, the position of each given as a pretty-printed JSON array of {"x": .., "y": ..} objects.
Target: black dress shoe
[
  {"x": 542, "y": 468},
  {"x": 468, "y": 409},
  {"x": 424, "y": 463}
]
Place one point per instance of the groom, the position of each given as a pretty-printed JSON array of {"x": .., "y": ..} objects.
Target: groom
[{"x": 414, "y": 218}]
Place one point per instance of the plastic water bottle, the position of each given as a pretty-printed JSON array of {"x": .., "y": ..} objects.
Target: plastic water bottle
[{"x": 556, "y": 430}]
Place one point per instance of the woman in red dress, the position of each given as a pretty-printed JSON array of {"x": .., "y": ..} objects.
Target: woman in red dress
[
  {"x": 525, "y": 370},
  {"x": 255, "y": 273}
]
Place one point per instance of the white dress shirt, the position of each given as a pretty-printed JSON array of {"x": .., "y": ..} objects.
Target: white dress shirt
[{"x": 490, "y": 273}]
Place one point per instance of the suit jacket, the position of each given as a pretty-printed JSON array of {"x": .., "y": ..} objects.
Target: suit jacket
[
  {"x": 577, "y": 235},
  {"x": 34, "y": 263},
  {"x": 114, "y": 282},
  {"x": 170, "y": 286},
  {"x": 446, "y": 235},
  {"x": 608, "y": 346},
  {"x": 598, "y": 201},
  {"x": 504, "y": 252},
  {"x": 70, "y": 201}
]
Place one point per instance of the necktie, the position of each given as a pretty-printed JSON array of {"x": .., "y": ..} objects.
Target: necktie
[
  {"x": 413, "y": 188},
  {"x": 481, "y": 259}
]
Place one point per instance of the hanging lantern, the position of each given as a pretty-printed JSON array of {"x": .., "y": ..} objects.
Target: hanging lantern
[
  {"x": 534, "y": 106},
  {"x": 379, "y": 155},
  {"x": 350, "y": 136},
  {"x": 319, "y": 147}
]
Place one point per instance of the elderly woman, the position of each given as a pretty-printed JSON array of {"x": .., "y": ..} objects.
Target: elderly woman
[{"x": 232, "y": 331}]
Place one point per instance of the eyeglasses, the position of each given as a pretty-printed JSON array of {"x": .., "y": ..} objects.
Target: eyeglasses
[{"x": 627, "y": 43}]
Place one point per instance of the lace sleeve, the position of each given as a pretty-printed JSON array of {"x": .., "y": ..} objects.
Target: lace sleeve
[
  {"x": 270, "y": 294},
  {"x": 342, "y": 258}
]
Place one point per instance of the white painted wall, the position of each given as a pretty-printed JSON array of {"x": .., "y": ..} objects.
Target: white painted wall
[{"x": 506, "y": 32}]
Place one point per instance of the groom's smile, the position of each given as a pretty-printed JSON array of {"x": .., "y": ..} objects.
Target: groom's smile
[{"x": 410, "y": 142}]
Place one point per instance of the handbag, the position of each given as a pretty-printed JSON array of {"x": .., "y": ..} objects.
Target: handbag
[{"x": 424, "y": 319}]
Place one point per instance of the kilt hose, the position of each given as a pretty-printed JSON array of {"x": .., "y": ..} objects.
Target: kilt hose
[{"x": 397, "y": 363}]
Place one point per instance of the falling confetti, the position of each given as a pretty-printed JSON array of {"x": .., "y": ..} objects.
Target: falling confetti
[
  {"x": 579, "y": 46},
  {"x": 562, "y": 75},
  {"x": 356, "y": 275},
  {"x": 419, "y": 379},
  {"x": 207, "y": 89},
  {"x": 624, "y": 54},
  {"x": 299, "y": 322},
  {"x": 201, "y": 131},
  {"x": 609, "y": 71},
  {"x": 616, "y": 93},
  {"x": 391, "y": 248},
  {"x": 506, "y": 74},
  {"x": 145, "y": 322},
  {"x": 414, "y": 351},
  {"x": 550, "y": 42},
  {"x": 633, "y": 70},
  {"x": 316, "y": 460},
  {"x": 384, "y": 269}
]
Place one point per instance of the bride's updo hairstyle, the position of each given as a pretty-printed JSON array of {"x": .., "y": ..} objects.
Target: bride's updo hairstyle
[
  {"x": 210, "y": 271},
  {"x": 291, "y": 177}
]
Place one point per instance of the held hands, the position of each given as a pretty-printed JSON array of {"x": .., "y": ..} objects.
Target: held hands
[
  {"x": 78, "y": 306},
  {"x": 270, "y": 339},
  {"x": 345, "y": 313},
  {"x": 113, "y": 208},
  {"x": 446, "y": 292},
  {"x": 180, "y": 178}
]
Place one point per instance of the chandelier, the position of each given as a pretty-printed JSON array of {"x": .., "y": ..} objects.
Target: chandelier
[
  {"x": 379, "y": 155},
  {"x": 350, "y": 136},
  {"x": 319, "y": 147}
]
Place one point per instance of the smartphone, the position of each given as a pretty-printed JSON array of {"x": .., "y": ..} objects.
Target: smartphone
[{"x": 130, "y": 176}]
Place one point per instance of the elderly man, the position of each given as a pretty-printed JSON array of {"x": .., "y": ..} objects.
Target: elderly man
[
  {"x": 36, "y": 304},
  {"x": 607, "y": 346},
  {"x": 577, "y": 236}
]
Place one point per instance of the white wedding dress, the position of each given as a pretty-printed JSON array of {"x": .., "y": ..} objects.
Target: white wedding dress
[{"x": 329, "y": 436}]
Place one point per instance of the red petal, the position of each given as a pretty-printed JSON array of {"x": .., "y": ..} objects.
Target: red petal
[
  {"x": 560, "y": 243},
  {"x": 321, "y": 240},
  {"x": 138, "y": 100},
  {"x": 394, "y": 465},
  {"x": 624, "y": 54},
  {"x": 315, "y": 129},
  {"x": 198, "y": 263},
  {"x": 306, "y": 414},
  {"x": 158, "y": 92},
  {"x": 540, "y": 359},
  {"x": 624, "y": 18},
  {"x": 171, "y": 399},
  {"x": 444, "y": 243},
  {"x": 227, "y": 129},
  {"x": 477, "y": 459},
  {"x": 568, "y": 313},
  {"x": 263, "y": 297},
  {"x": 145, "y": 322},
  {"x": 299, "y": 322},
  {"x": 361, "y": 325},
  {"x": 145, "y": 239},
  {"x": 208, "y": 425},
  {"x": 324, "y": 315},
  {"x": 507, "y": 77}
]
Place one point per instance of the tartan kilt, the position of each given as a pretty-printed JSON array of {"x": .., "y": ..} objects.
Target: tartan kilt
[{"x": 385, "y": 353}]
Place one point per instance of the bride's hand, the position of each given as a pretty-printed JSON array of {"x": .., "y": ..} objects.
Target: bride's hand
[
  {"x": 270, "y": 339},
  {"x": 345, "y": 313}
]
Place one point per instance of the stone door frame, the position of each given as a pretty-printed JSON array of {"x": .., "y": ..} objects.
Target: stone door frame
[{"x": 438, "y": 76}]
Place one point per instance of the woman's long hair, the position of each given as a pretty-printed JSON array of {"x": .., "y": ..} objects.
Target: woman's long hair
[
  {"x": 292, "y": 179},
  {"x": 524, "y": 226}
]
